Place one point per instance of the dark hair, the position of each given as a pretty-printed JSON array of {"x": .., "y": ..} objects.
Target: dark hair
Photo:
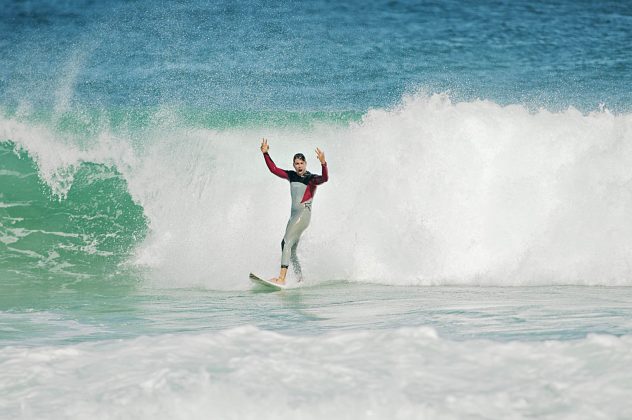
[{"x": 299, "y": 156}]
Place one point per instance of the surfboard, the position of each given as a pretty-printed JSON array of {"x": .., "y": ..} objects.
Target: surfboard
[{"x": 266, "y": 283}]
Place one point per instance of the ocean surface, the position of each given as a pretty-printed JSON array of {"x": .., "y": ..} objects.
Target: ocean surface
[{"x": 470, "y": 256}]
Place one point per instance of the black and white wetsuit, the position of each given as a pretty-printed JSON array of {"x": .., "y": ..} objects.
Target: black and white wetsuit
[{"x": 302, "y": 189}]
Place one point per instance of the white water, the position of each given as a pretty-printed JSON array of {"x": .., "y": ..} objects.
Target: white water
[
  {"x": 246, "y": 373},
  {"x": 431, "y": 192},
  {"x": 341, "y": 350}
]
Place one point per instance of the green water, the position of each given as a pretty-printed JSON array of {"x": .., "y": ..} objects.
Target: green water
[{"x": 46, "y": 238}]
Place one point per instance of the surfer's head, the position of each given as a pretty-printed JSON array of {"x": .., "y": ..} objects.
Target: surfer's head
[{"x": 300, "y": 165}]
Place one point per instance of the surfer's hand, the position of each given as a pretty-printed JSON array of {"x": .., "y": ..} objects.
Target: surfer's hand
[
  {"x": 321, "y": 156},
  {"x": 264, "y": 146}
]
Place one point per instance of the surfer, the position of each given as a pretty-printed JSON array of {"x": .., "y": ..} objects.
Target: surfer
[{"x": 302, "y": 188}]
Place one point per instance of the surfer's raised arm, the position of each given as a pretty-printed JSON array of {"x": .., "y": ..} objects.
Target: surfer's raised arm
[
  {"x": 271, "y": 166},
  {"x": 317, "y": 180}
]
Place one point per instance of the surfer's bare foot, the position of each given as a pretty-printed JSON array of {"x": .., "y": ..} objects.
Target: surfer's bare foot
[
  {"x": 281, "y": 279},
  {"x": 278, "y": 281}
]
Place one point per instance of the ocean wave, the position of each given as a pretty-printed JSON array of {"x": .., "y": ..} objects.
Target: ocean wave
[{"x": 429, "y": 192}]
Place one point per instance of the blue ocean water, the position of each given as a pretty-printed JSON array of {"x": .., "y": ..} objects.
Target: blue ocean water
[
  {"x": 323, "y": 55},
  {"x": 470, "y": 256}
]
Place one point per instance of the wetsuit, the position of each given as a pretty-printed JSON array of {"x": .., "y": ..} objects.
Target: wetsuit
[{"x": 302, "y": 189}]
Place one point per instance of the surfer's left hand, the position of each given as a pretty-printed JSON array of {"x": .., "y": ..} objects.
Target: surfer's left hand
[{"x": 321, "y": 156}]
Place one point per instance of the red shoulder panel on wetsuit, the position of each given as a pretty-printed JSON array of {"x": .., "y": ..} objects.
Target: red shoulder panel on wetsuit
[{"x": 313, "y": 182}]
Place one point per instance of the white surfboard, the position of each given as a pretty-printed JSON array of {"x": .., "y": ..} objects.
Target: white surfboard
[{"x": 266, "y": 283}]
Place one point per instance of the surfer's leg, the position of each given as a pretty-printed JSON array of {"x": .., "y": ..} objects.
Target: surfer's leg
[
  {"x": 295, "y": 227},
  {"x": 290, "y": 240}
]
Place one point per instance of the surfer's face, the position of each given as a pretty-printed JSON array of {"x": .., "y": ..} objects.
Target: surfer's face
[{"x": 299, "y": 166}]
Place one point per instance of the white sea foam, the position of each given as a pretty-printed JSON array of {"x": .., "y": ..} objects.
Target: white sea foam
[
  {"x": 429, "y": 192},
  {"x": 246, "y": 373}
]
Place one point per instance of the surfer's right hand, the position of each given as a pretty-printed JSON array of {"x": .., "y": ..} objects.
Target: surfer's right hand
[{"x": 264, "y": 146}]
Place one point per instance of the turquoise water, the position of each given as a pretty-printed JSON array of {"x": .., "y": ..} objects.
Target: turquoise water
[
  {"x": 457, "y": 313},
  {"x": 469, "y": 257}
]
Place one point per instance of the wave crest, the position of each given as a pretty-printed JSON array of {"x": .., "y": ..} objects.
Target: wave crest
[{"x": 429, "y": 192}]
